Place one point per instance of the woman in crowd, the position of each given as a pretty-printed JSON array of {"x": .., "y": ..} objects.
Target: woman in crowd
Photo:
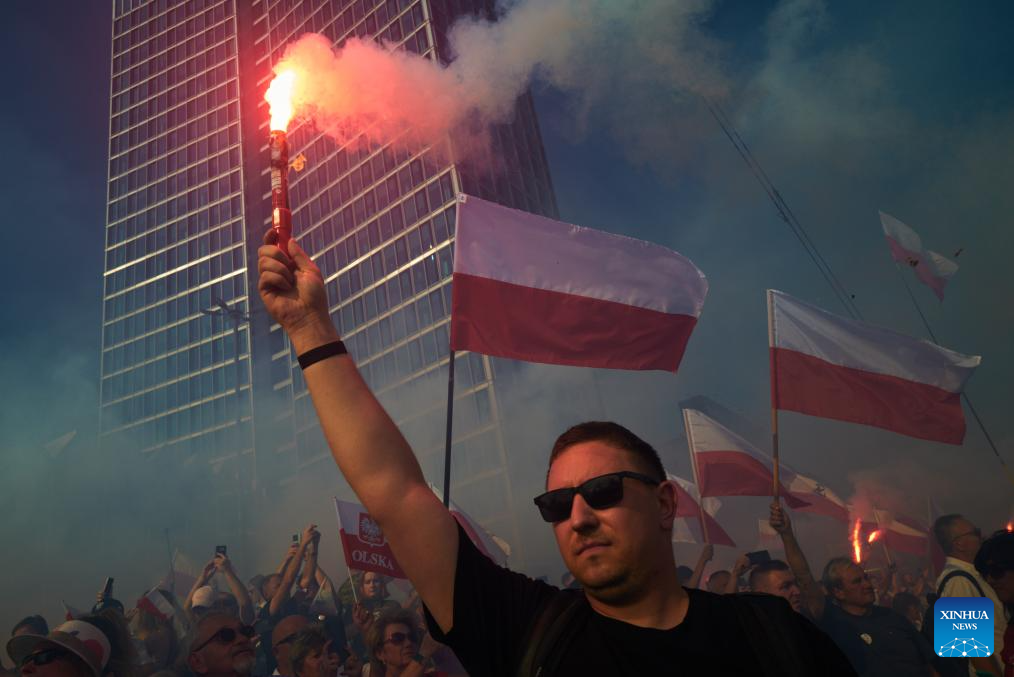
[{"x": 394, "y": 643}]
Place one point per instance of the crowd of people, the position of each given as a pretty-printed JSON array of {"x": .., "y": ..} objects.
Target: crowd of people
[
  {"x": 295, "y": 621},
  {"x": 628, "y": 610}
]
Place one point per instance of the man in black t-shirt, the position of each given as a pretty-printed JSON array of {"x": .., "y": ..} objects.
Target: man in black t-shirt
[{"x": 612, "y": 513}]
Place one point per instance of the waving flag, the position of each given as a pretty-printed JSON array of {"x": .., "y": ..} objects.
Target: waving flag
[
  {"x": 931, "y": 268},
  {"x": 364, "y": 544},
  {"x": 687, "y": 528},
  {"x": 833, "y": 367},
  {"x": 728, "y": 465},
  {"x": 488, "y": 544},
  {"x": 820, "y": 500},
  {"x": 531, "y": 288},
  {"x": 903, "y": 534}
]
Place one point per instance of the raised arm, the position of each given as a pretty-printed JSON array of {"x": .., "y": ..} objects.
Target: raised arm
[
  {"x": 738, "y": 569},
  {"x": 289, "y": 554},
  {"x": 310, "y": 570},
  {"x": 707, "y": 552},
  {"x": 284, "y": 591},
  {"x": 239, "y": 591},
  {"x": 813, "y": 593},
  {"x": 202, "y": 580},
  {"x": 369, "y": 449}
]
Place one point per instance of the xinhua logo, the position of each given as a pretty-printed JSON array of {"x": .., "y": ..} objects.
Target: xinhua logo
[{"x": 963, "y": 627}]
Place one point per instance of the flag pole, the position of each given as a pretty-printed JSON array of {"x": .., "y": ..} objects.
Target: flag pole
[
  {"x": 975, "y": 414},
  {"x": 352, "y": 580},
  {"x": 775, "y": 465},
  {"x": 447, "y": 439},
  {"x": 697, "y": 479}
]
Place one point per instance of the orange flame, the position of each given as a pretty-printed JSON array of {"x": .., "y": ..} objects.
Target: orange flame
[
  {"x": 874, "y": 536},
  {"x": 1010, "y": 526},
  {"x": 279, "y": 98},
  {"x": 857, "y": 545}
]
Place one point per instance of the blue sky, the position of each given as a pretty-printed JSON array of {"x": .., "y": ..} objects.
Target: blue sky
[{"x": 905, "y": 107}]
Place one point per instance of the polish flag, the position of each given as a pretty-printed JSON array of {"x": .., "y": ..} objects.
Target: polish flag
[
  {"x": 833, "y": 367},
  {"x": 931, "y": 268},
  {"x": 687, "y": 527},
  {"x": 363, "y": 542},
  {"x": 767, "y": 537},
  {"x": 728, "y": 465},
  {"x": 903, "y": 534},
  {"x": 491, "y": 546},
  {"x": 531, "y": 288},
  {"x": 820, "y": 499}
]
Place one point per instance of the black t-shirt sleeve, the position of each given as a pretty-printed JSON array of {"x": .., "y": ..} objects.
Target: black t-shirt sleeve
[{"x": 493, "y": 608}]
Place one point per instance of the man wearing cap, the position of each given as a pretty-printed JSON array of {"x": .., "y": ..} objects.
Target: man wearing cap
[
  {"x": 220, "y": 646},
  {"x": 74, "y": 649}
]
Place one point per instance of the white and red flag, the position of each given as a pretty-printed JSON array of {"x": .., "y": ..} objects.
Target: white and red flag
[
  {"x": 767, "y": 537},
  {"x": 531, "y": 288},
  {"x": 488, "y": 544},
  {"x": 903, "y": 534},
  {"x": 833, "y": 367},
  {"x": 728, "y": 465},
  {"x": 687, "y": 528},
  {"x": 363, "y": 542},
  {"x": 820, "y": 499},
  {"x": 931, "y": 268}
]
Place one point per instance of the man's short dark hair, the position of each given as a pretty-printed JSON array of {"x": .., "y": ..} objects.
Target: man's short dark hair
[
  {"x": 36, "y": 624},
  {"x": 996, "y": 554},
  {"x": 765, "y": 568},
  {"x": 614, "y": 435},
  {"x": 943, "y": 533}
]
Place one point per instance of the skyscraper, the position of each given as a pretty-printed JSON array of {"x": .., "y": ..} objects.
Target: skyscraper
[{"x": 188, "y": 202}]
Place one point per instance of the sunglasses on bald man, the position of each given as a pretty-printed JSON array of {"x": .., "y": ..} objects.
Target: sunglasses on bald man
[
  {"x": 599, "y": 493},
  {"x": 227, "y": 635}
]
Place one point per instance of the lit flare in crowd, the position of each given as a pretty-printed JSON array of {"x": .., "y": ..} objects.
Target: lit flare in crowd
[
  {"x": 857, "y": 545},
  {"x": 872, "y": 538},
  {"x": 279, "y": 96}
]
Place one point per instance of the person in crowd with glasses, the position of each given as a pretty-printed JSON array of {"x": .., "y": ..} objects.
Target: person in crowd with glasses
[
  {"x": 220, "y": 646},
  {"x": 960, "y": 541},
  {"x": 609, "y": 506},
  {"x": 995, "y": 561},
  {"x": 394, "y": 641},
  {"x": 96, "y": 645}
]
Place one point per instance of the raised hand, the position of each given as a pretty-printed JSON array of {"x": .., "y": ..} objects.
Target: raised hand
[{"x": 779, "y": 519}]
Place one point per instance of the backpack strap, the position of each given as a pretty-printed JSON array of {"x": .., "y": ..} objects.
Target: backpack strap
[
  {"x": 550, "y": 634},
  {"x": 954, "y": 574}
]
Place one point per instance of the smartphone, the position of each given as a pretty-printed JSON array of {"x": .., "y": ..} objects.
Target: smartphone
[
  {"x": 107, "y": 589},
  {"x": 295, "y": 538},
  {"x": 758, "y": 557},
  {"x": 220, "y": 550}
]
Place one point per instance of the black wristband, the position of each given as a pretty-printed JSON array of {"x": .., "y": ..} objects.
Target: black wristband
[{"x": 321, "y": 353}]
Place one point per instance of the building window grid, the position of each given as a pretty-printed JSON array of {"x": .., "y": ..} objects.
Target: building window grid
[
  {"x": 232, "y": 168},
  {"x": 183, "y": 292},
  {"x": 221, "y": 158},
  {"x": 175, "y": 53},
  {"x": 119, "y": 134},
  {"x": 199, "y": 80},
  {"x": 125, "y": 42},
  {"x": 114, "y": 291},
  {"x": 224, "y": 335}
]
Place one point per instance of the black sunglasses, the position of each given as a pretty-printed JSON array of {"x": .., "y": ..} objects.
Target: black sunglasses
[
  {"x": 599, "y": 493},
  {"x": 43, "y": 657},
  {"x": 397, "y": 638},
  {"x": 227, "y": 636}
]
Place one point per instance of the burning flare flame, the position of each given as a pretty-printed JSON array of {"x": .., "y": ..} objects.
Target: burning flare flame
[
  {"x": 874, "y": 536},
  {"x": 279, "y": 98},
  {"x": 857, "y": 544},
  {"x": 1010, "y": 526}
]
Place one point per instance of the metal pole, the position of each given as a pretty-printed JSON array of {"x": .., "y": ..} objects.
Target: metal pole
[
  {"x": 447, "y": 441},
  {"x": 775, "y": 465},
  {"x": 697, "y": 478}
]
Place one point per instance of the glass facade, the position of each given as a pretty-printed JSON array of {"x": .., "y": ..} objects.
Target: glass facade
[
  {"x": 185, "y": 175},
  {"x": 174, "y": 231}
]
